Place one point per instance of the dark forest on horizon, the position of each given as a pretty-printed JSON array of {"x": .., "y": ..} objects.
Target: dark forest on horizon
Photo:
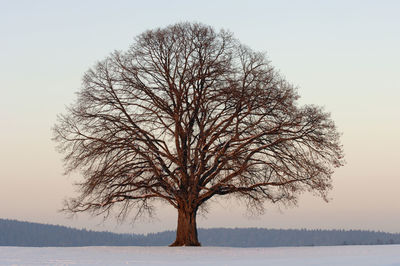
[{"x": 17, "y": 233}]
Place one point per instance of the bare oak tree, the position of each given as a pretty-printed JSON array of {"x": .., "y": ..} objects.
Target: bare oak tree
[{"x": 188, "y": 114}]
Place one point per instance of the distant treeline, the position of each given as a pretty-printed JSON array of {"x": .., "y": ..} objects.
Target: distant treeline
[{"x": 16, "y": 233}]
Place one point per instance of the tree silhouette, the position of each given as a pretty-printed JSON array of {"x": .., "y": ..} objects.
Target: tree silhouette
[{"x": 188, "y": 114}]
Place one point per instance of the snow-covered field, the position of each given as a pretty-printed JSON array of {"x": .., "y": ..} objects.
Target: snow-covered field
[{"x": 338, "y": 255}]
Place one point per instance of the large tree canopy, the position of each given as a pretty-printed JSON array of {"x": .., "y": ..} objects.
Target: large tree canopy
[{"x": 188, "y": 114}]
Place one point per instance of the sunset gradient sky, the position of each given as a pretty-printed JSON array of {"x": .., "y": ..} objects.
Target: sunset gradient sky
[{"x": 343, "y": 55}]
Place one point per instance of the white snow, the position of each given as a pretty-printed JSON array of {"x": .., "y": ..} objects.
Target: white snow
[{"x": 326, "y": 256}]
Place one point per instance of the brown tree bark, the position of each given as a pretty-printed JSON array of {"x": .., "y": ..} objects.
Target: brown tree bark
[{"x": 186, "y": 232}]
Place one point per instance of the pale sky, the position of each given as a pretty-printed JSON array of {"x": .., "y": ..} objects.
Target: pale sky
[{"x": 343, "y": 55}]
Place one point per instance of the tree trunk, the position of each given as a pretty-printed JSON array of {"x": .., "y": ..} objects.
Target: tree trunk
[{"x": 186, "y": 232}]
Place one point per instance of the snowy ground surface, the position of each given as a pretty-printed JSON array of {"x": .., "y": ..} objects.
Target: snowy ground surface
[{"x": 338, "y": 255}]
